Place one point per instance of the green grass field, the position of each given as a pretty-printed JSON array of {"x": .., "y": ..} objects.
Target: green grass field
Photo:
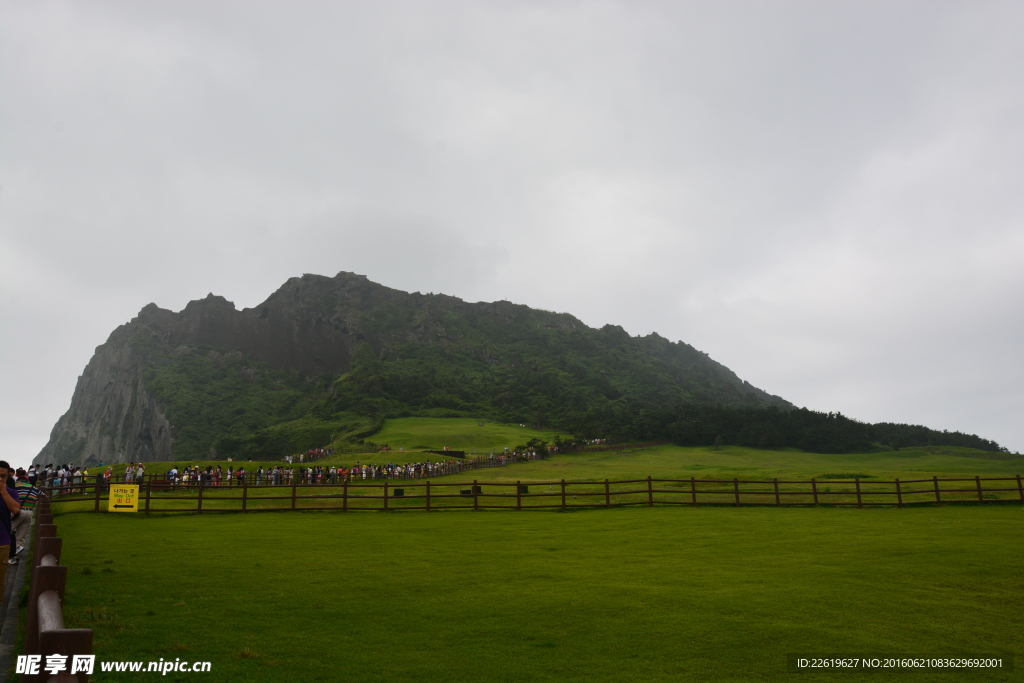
[
  {"x": 750, "y": 463},
  {"x": 428, "y": 433},
  {"x": 629, "y": 594},
  {"x": 599, "y": 595}
]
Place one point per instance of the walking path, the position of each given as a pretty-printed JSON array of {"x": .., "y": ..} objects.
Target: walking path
[{"x": 16, "y": 574}]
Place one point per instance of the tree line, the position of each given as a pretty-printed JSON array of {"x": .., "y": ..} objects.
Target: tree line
[{"x": 765, "y": 427}]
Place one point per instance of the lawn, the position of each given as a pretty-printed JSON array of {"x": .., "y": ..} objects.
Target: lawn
[
  {"x": 726, "y": 462},
  {"x": 662, "y": 594},
  {"x": 458, "y": 434}
]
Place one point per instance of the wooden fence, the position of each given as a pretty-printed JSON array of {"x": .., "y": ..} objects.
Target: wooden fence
[
  {"x": 45, "y": 634},
  {"x": 388, "y": 495}
]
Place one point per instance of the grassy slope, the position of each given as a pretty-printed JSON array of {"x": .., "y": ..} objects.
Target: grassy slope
[
  {"x": 413, "y": 433},
  {"x": 619, "y": 595}
]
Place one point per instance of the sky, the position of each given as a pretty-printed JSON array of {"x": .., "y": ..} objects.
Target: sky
[{"x": 825, "y": 197}]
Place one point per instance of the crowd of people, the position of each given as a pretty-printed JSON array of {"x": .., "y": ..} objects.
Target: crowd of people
[
  {"x": 70, "y": 479},
  {"x": 310, "y": 455},
  {"x": 20, "y": 495},
  {"x": 56, "y": 475},
  {"x": 284, "y": 475}
]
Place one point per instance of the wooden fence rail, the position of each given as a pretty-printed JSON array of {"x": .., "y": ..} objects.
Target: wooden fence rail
[
  {"x": 430, "y": 496},
  {"x": 45, "y": 633}
]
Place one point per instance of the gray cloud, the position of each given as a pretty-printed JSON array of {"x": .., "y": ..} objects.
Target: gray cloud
[{"x": 825, "y": 197}]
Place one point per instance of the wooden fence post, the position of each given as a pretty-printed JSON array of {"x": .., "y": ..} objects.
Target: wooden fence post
[
  {"x": 1020, "y": 489},
  {"x": 149, "y": 490},
  {"x": 245, "y": 496},
  {"x": 43, "y": 516},
  {"x": 938, "y": 499},
  {"x": 650, "y": 492},
  {"x": 981, "y": 498},
  {"x": 563, "y": 494},
  {"x": 55, "y": 639},
  {"x": 385, "y": 495},
  {"x": 199, "y": 502},
  {"x": 899, "y": 494},
  {"x": 476, "y": 499},
  {"x": 47, "y": 546},
  {"x": 608, "y": 494},
  {"x": 736, "y": 489},
  {"x": 814, "y": 489},
  {"x": 344, "y": 494},
  {"x": 97, "y": 492},
  {"x": 295, "y": 485},
  {"x": 693, "y": 490},
  {"x": 519, "y": 495},
  {"x": 44, "y": 578},
  {"x": 859, "y": 501},
  {"x": 777, "y": 499}
]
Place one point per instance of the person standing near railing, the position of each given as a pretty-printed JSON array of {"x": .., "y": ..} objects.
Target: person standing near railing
[
  {"x": 27, "y": 497},
  {"x": 9, "y": 507}
]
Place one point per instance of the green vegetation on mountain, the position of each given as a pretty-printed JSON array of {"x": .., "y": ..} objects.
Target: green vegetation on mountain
[
  {"x": 807, "y": 430},
  {"x": 243, "y": 409},
  {"x": 525, "y": 374},
  {"x": 209, "y": 394}
]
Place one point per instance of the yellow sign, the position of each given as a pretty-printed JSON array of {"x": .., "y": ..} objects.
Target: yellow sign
[{"x": 123, "y": 498}]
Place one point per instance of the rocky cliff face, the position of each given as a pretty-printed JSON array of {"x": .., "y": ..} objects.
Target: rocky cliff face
[
  {"x": 319, "y": 327},
  {"x": 112, "y": 418}
]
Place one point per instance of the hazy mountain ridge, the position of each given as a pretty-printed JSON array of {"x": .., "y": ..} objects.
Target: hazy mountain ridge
[{"x": 344, "y": 349}]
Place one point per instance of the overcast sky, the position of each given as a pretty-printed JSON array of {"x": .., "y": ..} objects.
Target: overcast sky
[{"x": 826, "y": 197}]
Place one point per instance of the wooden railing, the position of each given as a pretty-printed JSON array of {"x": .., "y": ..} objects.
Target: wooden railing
[
  {"x": 426, "y": 495},
  {"x": 45, "y": 633}
]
